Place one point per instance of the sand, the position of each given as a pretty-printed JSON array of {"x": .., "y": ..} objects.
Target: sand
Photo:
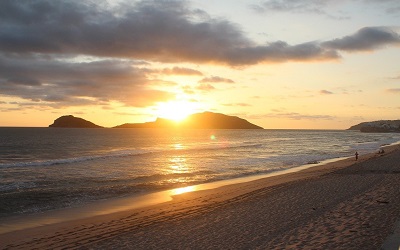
[{"x": 341, "y": 205}]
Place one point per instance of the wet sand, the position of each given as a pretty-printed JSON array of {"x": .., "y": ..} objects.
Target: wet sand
[{"x": 341, "y": 205}]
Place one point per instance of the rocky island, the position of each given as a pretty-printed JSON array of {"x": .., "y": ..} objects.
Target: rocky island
[
  {"x": 206, "y": 120},
  {"x": 70, "y": 121}
]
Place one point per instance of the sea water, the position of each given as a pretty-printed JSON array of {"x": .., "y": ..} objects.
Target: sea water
[{"x": 50, "y": 168}]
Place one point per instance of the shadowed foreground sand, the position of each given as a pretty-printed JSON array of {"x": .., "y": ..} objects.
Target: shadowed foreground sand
[{"x": 342, "y": 205}]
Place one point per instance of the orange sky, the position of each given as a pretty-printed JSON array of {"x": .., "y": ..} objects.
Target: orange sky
[{"x": 279, "y": 64}]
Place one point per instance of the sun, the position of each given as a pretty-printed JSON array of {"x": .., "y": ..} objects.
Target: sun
[{"x": 175, "y": 110}]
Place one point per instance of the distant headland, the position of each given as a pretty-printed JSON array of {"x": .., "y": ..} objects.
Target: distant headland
[
  {"x": 206, "y": 120},
  {"x": 383, "y": 126}
]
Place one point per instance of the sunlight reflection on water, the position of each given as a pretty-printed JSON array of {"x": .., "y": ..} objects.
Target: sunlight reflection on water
[
  {"x": 178, "y": 165},
  {"x": 183, "y": 190}
]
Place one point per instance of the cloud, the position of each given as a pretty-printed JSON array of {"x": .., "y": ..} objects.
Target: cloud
[
  {"x": 292, "y": 6},
  {"x": 181, "y": 71},
  {"x": 391, "y": 6},
  {"x": 394, "y": 78},
  {"x": 294, "y": 116},
  {"x": 206, "y": 84},
  {"x": 205, "y": 87},
  {"x": 393, "y": 91},
  {"x": 297, "y": 6},
  {"x": 42, "y": 44},
  {"x": 216, "y": 79},
  {"x": 238, "y": 104},
  {"x": 72, "y": 84},
  {"x": 393, "y": 10},
  {"x": 187, "y": 89},
  {"x": 280, "y": 51},
  {"x": 165, "y": 31},
  {"x": 325, "y": 92},
  {"x": 365, "y": 39},
  {"x": 127, "y": 114},
  {"x": 321, "y": 7}
]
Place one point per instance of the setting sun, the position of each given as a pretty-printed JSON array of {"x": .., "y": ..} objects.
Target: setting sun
[{"x": 175, "y": 110}]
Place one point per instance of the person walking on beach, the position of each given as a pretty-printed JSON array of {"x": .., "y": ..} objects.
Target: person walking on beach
[{"x": 356, "y": 154}]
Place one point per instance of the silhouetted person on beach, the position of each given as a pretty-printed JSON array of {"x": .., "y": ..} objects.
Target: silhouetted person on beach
[{"x": 356, "y": 155}]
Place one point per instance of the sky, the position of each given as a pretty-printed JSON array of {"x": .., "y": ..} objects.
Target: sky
[{"x": 281, "y": 64}]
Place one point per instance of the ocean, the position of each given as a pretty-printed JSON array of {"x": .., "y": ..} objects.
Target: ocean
[{"x": 50, "y": 168}]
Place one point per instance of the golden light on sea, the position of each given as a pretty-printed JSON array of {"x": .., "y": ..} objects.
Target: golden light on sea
[{"x": 183, "y": 190}]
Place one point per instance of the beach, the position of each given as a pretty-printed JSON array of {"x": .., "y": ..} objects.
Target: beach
[{"x": 346, "y": 204}]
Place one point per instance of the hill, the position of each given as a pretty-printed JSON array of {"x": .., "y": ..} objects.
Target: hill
[
  {"x": 383, "y": 126},
  {"x": 70, "y": 121},
  {"x": 206, "y": 120}
]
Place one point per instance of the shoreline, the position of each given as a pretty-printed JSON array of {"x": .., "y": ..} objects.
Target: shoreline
[
  {"x": 180, "y": 201},
  {"x": 121, "y": 204}
]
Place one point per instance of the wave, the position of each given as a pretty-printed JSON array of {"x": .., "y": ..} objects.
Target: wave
[
  {"x": 371, "y": 146},
  {"x": 118, "y": 154},
  {"x": 262, "y": 147},
  {"x": 50, "y": 162},
  {"x": 222, "y": 146}
]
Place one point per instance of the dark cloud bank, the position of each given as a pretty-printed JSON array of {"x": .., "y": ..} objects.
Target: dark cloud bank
[
  {"x": 153, "y": 30},
  {"x": 40, "y": 41},
  {"x": 66, "y": 84},
  {"x": 365, "y": 39}
]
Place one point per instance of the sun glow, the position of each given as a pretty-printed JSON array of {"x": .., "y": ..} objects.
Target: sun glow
[{"x": 175, "y": 110}]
